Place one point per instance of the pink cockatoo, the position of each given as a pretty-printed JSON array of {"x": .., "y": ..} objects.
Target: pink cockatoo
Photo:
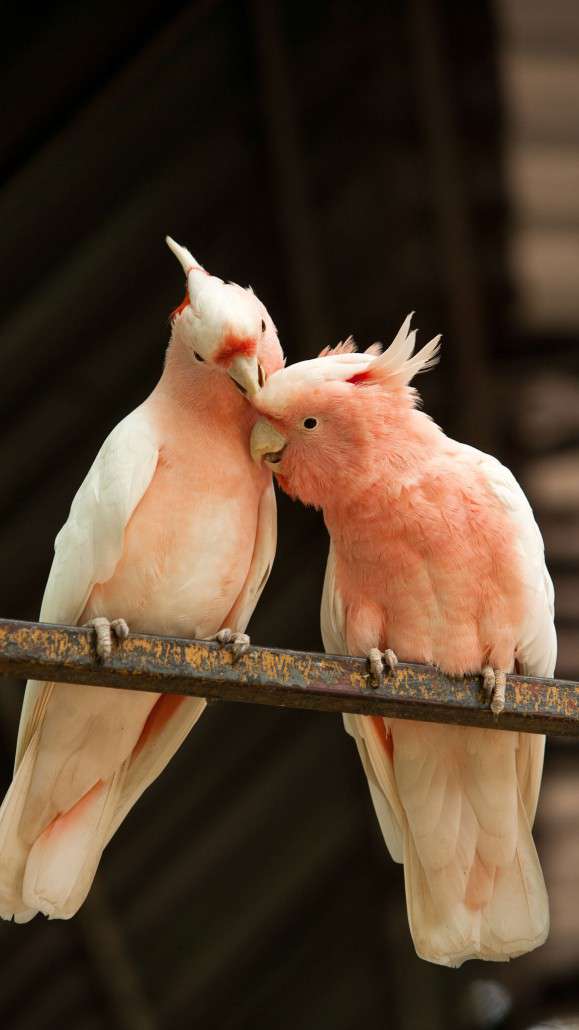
[
  {"x": 174, "y": 531},
  {"x": 434, "y": 557}
]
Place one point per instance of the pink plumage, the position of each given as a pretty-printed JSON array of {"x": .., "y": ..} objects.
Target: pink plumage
[
  {"x": 174, "y": 530},
  {"x": 434, "y": 554}
]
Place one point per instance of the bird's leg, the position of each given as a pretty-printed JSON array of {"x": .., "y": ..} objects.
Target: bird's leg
[
  {"x": 239, "y": 641},
  {"x": 494, "y": 683},
  {"x": 377, "y": 660},
  {"x": 104, "y": 630}
]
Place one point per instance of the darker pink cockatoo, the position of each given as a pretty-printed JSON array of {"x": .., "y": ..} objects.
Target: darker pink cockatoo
[
  {"x": 173, "y": 531},
  {"x": 434, "y": 557}
]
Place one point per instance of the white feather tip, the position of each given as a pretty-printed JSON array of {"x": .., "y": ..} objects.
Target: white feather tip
[
  {"x": 344, "y": 347},
  {"x": 184, "y": 256},
  {"x": 399, "y": 359}
]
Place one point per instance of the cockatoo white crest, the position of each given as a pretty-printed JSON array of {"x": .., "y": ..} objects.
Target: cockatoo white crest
[{"x": 221, "y": 323}]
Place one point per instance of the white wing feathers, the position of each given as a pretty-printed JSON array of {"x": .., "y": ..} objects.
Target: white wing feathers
[
  {"x": 35, "y": 872},
  {"x": 537, "y": 646},
  {"x": 332, "y": 616},
  {"x": 376, "y": 764},
  {"x": 90, "y": 544}
]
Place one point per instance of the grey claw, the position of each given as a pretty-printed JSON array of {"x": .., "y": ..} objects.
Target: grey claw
[
  {"x": 498, "y": 701},
  {"x": 240, "y": 645},
  {"x": 238, "y": 650},
  {"x": 390, "y": 658},
  {"x": 103, "y": 631},
  {"x": 376, "y": 675},
  {"x": 377, "y": 659},
  {"x": 488, "y": 675},
  {"x": 120, "y": 629},
  {"x": 494, "y": 684},
  {"x": 240, "y": 641}
]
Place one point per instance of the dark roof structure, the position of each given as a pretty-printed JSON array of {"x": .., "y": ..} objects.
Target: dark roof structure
[{"x": 353, "y": 162}]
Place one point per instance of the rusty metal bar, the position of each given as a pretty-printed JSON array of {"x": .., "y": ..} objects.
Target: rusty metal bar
[{"x": 286, "y": 679}]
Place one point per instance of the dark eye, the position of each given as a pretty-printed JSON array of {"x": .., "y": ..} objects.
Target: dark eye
[
  {"x": 197, "y": 356},
  {"x": 310, "y": 423},
  {"x": 260, "y": 374},
  {"x": 263, "y": 325}
]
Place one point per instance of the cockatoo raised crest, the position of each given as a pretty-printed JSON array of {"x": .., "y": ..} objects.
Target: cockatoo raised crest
[{"x": 220, "y": 323}]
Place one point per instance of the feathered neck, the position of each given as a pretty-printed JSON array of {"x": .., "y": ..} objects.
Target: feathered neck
[
  {"x": 200, "y": 391},
  {"x": 392, "y": 457}
]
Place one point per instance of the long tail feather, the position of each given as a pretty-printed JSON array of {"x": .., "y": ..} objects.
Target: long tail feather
[
  {"x": 51, "y": 871},
  {"x": 501, "y": 912},
  {"x": 63, "y": 861},
  {"x": 13, "y": 848},
  {"x": 455, "y": 806}
]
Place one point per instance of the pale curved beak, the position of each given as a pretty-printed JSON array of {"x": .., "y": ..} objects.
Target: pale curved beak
[
  {"x": 266, "y": 444},
  {"x": 246, "y": 375}
]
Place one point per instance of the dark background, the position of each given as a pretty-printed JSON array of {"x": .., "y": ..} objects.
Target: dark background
[{"x": 352, "y": 161}]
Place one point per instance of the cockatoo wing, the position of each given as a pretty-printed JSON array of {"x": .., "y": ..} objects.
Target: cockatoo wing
[
  {"x": 332, "y": 617},
  {"x": 261, "y": 562},
  {"x": 377, "y": 763},
  {"x": 537, "y": 644},
  {"x": 49, "y": 780},
  {"x": 173, "y": 717},
  {"x": 90, "y": 544}
]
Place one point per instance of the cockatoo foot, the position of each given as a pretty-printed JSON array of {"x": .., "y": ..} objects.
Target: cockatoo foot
[
  {"x": 239, "y": 641},
  {"x": 377, "y": 661},
  {"x": 104, "y": 631},
  {"x": 494, "y": 683}
]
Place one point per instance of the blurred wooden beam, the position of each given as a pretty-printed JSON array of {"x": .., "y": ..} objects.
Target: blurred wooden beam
[
  {"x": 287, "y": 679},
  {"x": 289, "y": 172},
  {"x": 111, "y": 960},
  {"x": 466, "y": 345}
]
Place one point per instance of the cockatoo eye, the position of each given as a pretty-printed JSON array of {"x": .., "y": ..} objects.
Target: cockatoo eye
[
  {"x": 263, "y": 325},
  {"x": 260, "y": 374},
  {"x": 197, "y": 356},
  {"x": 310, "y": 423}
]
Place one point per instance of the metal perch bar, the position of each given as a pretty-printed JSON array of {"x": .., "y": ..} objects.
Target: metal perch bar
[{"x": 286, "y": 679}]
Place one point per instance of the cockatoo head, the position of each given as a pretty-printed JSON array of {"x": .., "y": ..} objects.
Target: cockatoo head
[
  {"x": 225, "y": 326},
  {"x": 327, "y": 421}
]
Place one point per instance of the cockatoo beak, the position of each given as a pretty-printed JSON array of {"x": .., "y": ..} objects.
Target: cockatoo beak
[
  {"x": 245, "y": 373},
  {"x": 266, "y": 444}
]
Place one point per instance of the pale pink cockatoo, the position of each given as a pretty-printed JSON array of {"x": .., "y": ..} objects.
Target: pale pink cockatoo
[
  {"x": 434, "y": 557},
  {"x": 174, "y": 531}
]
